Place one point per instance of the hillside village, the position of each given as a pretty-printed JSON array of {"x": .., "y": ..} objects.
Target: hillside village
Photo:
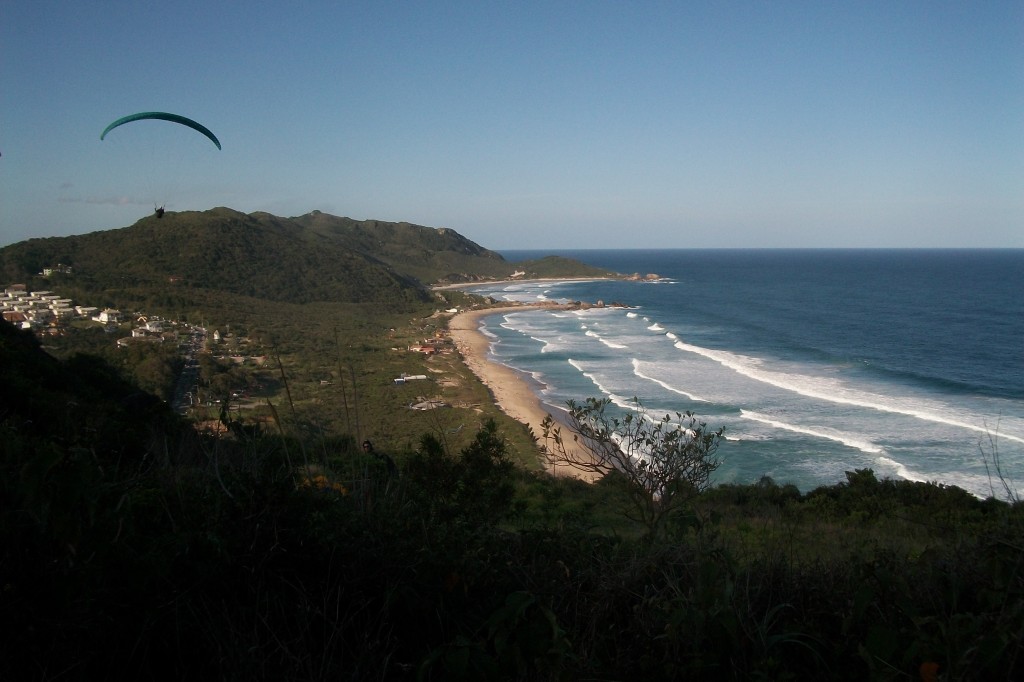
[{"x": 47, "y": 314}]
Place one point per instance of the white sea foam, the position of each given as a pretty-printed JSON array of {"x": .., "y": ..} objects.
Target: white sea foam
[
  {"x": 624, "y": 403},
  {"x": 830, "y": 390},
  {"x": 594, "y": 335},
  {"x": 546, "y": 346},
  {"x": 514, "y": 320},
  {"x": 538, "y": 376},
  {"x": 978, "y": 484},
  {"x": 656, "y": 327},
  {"x": 818, "y": 432},
  {"x": 638, "y": 372},
  {"x": 901, "y": 470},
  {"x": 857, "y": 416},
  {"x": 605, "y": 391},
  {"x": 983, "y": 486}
]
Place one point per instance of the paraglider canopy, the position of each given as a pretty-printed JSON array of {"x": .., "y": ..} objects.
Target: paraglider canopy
[{"x": 163, "y": 116}]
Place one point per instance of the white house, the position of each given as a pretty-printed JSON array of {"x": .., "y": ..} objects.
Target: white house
[{"x": 108, "y": 315}]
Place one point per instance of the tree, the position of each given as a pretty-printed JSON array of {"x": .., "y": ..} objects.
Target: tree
[
  {"x": 665, "y": 463},
  {"x": 475, "y": 490}
]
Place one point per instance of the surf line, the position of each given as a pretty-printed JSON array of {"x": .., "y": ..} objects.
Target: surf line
[{"x": 734, "y": 363}]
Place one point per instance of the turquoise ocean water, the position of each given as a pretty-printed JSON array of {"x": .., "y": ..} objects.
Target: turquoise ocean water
[{"x": 816, "y": 362}]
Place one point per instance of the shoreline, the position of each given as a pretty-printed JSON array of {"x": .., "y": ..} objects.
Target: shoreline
[
  {"x": 468, "y": 285},
  {"x": 511, "y": 393}
]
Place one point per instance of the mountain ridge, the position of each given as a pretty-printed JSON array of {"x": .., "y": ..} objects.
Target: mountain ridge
[{"x": 302, "y": 259}]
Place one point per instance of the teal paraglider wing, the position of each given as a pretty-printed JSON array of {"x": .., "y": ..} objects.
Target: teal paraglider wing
[{"x": 163, "y": 116}]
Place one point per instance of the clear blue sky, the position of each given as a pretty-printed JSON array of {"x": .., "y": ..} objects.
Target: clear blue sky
[{"x": 547, "y": 124}]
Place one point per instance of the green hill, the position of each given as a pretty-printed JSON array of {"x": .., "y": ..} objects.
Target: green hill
[
  {"x": 425, "y": 253},
  {"x": 315, "y": 257},
  {"x": 437, "y": 255},
  {"x": 223, "y": 250}
]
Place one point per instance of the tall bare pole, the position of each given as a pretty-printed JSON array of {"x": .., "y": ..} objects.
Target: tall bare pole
[{"x": 344, "y": 390}]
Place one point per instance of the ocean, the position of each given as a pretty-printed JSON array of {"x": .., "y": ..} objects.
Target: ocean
[{"x": 816, "y": 362}]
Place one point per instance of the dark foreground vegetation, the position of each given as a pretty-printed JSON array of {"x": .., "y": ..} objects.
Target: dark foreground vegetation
[{"x": 132, "y": 547}]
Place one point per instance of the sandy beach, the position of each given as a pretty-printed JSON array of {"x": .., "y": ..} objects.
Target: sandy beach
[{"x": 511, "y": 393}]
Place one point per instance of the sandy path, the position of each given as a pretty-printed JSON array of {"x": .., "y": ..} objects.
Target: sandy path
[{"x": 511, "y": 393}]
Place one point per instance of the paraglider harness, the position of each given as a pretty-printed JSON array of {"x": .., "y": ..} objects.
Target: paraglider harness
[{"x": 162, "y": 116}]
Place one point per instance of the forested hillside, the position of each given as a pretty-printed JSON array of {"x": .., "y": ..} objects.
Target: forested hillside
[
  {"x": 218, "y": 250},
  {"x": 316, "y": 257}
]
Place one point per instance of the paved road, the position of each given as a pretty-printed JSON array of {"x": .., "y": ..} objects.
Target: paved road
[{"x": 189, "y": 377}]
